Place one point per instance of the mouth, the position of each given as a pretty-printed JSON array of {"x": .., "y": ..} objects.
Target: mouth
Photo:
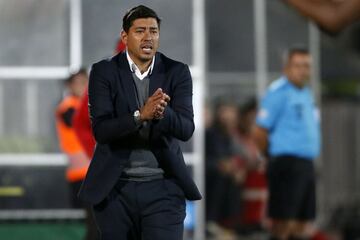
[{"x": 147, "y": 48}]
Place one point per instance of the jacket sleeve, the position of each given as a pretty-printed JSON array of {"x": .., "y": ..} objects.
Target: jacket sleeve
[
  {"x": 106, "y": 127},
  {"x": 178, "y": 118}
]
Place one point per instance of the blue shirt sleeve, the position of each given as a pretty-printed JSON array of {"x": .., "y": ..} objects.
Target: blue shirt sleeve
[{"x": 270, "y": 109}]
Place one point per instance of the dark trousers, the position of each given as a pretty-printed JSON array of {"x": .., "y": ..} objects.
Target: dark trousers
[
  {"x": 91, "y": 233},
  {"x": 153, "y": 210}
]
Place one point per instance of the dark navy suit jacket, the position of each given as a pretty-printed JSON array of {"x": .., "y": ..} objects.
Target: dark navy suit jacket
[{"x": 112, "y": 102}]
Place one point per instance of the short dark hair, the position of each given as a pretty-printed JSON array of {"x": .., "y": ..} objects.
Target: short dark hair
[
  {"x": 248, "y": 106},
  {"x": 293, "y": 51},
  {"x": 72, "y": 77},
  {"x": 137, "y": 12}
]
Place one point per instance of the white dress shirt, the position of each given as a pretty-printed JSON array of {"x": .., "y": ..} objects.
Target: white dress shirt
[{"x": 136, "y": 70}]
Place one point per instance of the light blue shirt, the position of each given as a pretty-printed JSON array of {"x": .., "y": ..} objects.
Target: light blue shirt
[{"x": 292, "y": 120}]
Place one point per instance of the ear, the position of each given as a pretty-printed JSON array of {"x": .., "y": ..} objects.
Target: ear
[{"x": 124, "y": 37}]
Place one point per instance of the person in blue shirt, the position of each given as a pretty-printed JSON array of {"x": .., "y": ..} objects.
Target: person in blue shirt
[{"x": 288, "y": 130}]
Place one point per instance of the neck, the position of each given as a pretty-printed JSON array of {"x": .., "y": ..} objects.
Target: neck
[
  {"x": 300, "y": 86},
  {"x": 296, "y": 84},
  {"x": 143, "y": 66}
]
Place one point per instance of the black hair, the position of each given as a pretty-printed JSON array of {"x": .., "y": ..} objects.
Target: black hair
[
  {"x": 137, "y": 12},
  {"x": 71, "y": 78},
  {"x": 219, "y": 103},
  {"x": 249, "y": 106},
  {"x": 293, "y": 51}
]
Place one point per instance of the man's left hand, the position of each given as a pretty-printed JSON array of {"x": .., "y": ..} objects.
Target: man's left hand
[{"x": 160, "y": 108}]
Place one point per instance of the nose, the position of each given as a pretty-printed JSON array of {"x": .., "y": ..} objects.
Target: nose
[{"x": 147, "y": 35}]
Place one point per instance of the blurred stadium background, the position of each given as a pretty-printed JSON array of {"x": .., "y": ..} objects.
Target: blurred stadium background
[{"x": 234, "y": 49}]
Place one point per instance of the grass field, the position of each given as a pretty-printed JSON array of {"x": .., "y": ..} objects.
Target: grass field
[{"x": 42, "y": 231}]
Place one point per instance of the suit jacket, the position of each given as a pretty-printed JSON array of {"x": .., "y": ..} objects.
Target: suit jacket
[{"x": 112, "y": 102}]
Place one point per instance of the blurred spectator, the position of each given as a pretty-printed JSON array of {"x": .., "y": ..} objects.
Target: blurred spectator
[
  {"x": 250, "y": 171},
  {"x": 330, "y": 15},
  {"x": 81, "y": 120},
  {"x": 288, "y": 129},
  {"x": 222, "y": 194},
  {"x": 82, "y": 126},
  {"x": 208, "y": 116},
  {"x": 70, "y": 145},
  {"x": 120, "y": 46}
]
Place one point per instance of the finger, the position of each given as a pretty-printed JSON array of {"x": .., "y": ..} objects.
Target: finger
[
  {"x": 158, "y": 92},
  {"x": 155, "y": 98},
  {"x": 159, "y": 115},
  {"x": 159, "y": 101},
  {"x": 166, "y": 97},
  {"x": 163, "y": 103},
  {"x": 160, "y": 109}
]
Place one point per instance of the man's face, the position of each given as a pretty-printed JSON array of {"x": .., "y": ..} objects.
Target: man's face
[
  {"x": 227, "y": 115},
  {"x": 142, "y": 39},
  {"x": 78, "y": 85},
  {"x": 298, "y": 68}
]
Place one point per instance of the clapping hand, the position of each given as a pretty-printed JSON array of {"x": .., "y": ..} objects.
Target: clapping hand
[{"x": 155, "y": 106}]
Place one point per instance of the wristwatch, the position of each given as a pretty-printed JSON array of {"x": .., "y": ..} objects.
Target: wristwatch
[{"x": 137, "y": 118}]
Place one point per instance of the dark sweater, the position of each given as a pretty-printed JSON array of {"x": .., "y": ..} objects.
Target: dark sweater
[{"x": 142, "y": 165}]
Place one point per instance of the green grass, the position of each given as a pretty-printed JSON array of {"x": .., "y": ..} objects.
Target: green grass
[{"x": 42, "y": 231}]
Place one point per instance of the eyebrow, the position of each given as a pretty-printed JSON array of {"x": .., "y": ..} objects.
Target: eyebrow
[{"x": 151, "y": 28}]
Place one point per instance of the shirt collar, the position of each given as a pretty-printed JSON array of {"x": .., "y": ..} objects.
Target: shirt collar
[{"x": 136, "y": 70}]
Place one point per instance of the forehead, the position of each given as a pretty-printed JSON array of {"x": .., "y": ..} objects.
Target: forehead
[
  {"x": 79, "y": 77},
  {"x": 299, "y": 57},
  {"x": 145, "y": 22}
]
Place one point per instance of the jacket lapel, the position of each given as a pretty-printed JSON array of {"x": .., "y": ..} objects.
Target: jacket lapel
[
  {"x": 157, "y": 77},
  {"x": 127, "y": 82}
]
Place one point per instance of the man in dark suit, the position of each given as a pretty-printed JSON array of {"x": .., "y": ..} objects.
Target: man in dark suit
[{"x": 140, "y": 104}]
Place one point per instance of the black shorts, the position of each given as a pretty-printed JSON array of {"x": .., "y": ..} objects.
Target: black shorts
[{"x": 291, "y": 182}]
